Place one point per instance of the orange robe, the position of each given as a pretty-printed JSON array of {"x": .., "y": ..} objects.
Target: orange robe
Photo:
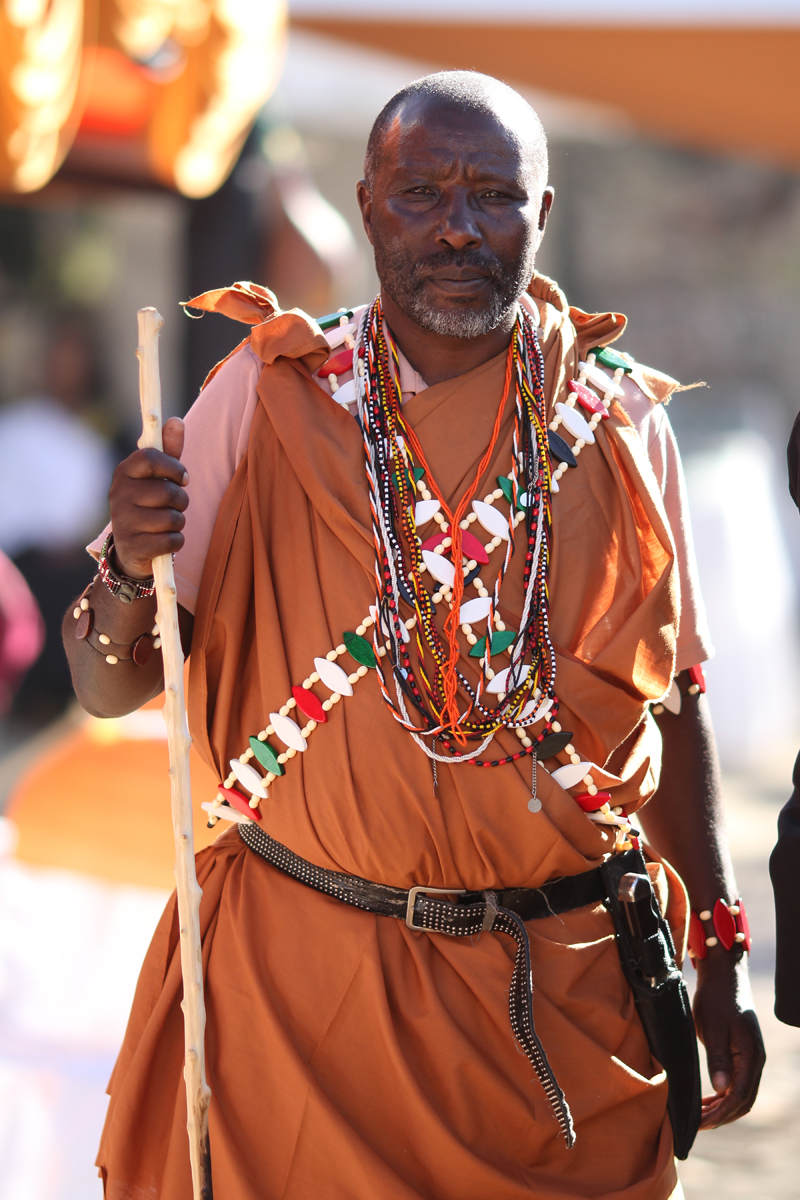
[{"x": 350, "y": 1058}]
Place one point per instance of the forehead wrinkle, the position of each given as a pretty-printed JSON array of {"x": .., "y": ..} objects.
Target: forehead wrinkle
[{"x": 519, "y": 153}]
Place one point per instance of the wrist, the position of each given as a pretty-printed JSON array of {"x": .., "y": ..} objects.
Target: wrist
[
  {"x": 718, "y": 963},
  {"x": 125, "y": 569},
  {"x": 126, "y": 588},
  {"x": 719, "y": 935}
]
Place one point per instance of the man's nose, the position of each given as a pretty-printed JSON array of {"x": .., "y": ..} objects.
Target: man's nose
[{"x": 458, "y": 227}]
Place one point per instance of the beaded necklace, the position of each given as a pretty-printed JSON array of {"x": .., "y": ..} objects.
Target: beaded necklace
[
  {"x": 393, "y": 634},
  {"x": 395, "y": 463}
]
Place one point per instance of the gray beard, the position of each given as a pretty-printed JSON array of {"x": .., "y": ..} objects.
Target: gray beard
[
  {"x": 466, "y": 324},
  {"x": 400, "y": 278}
]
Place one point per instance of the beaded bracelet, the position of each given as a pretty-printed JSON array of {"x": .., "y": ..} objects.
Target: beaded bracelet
[
  {"x": 731, "y": 928},
  {"x": 137, "y": 651},
  {"x": 125, "y": 589}
]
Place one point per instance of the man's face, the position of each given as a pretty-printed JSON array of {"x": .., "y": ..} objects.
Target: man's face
[{"x": 455, "y": 216}]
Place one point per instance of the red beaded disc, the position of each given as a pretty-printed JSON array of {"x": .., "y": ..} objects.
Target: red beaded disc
[
  {"x": 587, "y": 399},
  {"x": 472, "y": 547},
  {"x": 724, "y": 924},
  {"x": 591, "y": 803},
  {"x": 435, "y": 540},
  {"x": 310, "y": 704},
  {"x": 697, "y": 676},
  {"x": 697, "y": 937},
  {"x": 337, "y": 364},
  {"x": 239, "y": 802},
  {"x": 743, "y": 925}
]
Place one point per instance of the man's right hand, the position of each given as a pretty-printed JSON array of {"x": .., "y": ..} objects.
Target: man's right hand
[{"x": 147, "y": 501}]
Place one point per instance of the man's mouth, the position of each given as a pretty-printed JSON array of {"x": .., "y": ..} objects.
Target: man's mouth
[{"x": 457, "y": 281}]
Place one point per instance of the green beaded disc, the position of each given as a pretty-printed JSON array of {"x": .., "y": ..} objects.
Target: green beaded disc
[
  {"x": 266, "y": 756},
  {"x": 611, "y": 359},
  {"x": 360, "y": 649},
  {"x": 504, "y": 483},
  {"x": 331, "y": 319},
  {"x": 418, "y": 473},
  {"x": 501, "y": 640}
]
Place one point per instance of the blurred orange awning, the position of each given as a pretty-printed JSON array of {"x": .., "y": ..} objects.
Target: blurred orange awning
[{"x": 716, "y": 87}]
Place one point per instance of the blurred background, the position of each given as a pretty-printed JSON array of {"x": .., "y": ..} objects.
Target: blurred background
[{"x": 151, "y": 149}]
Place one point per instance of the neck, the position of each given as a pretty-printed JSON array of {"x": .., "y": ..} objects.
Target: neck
[{"x": 437, "y": 357}]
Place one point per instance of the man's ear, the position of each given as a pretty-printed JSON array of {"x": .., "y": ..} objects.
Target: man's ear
[
  {"x": 548, "y": 196},
  {"x": 364, "y": 197}
]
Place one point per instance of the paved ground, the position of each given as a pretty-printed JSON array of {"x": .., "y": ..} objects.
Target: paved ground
[{"x": 758, "y": 1158}]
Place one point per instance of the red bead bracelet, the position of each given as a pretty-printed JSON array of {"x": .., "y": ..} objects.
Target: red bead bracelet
[{"x": 731, "y": 928}]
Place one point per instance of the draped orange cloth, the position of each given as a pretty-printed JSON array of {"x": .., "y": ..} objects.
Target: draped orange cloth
[{"x": 348, "y": 1056}]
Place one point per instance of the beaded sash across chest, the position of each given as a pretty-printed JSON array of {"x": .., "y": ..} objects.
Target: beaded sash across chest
[{"x": 451, "y": 717}]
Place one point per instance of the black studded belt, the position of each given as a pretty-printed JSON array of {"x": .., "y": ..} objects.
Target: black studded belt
[{"x": 427, "y": 910}]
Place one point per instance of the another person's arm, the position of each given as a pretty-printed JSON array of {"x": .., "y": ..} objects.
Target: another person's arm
[
  {"x": 147, "y": 502},
  {"x": 684, "y": 823}
]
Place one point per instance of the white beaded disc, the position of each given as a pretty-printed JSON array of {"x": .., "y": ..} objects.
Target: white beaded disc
[
  {"x": 333, "y": 677},
  {"x": 531, "y": 709},
  {"x": 600, "y": 380},
  {"x": 566, "y": 777},
  {"x": 288, "y": 731},
  {"x": 226, "y": 812},
  {"x": 474, "y": 610},
  {"x": 440, "y": 567},
  {"x": 672, "y": 700},
  {"x": 249, "y": 778},
  {"x": 425, "y": 510},
  {"x": 404, "y": 634},
  {"x": 346, "y": 394},
  {"x": 335, "y": 337},
  {"x": 492, "y": 521},
  {"x": 574, "y": 423},
  {"x": 500, "y": 681}
]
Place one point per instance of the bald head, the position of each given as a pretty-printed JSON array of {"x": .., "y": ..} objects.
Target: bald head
[
  {"x": 463, "y": 92},
  {"x": 455, "y": 202}
]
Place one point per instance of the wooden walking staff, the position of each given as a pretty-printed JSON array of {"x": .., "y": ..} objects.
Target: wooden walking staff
[{"x": 198, "y": 1093}]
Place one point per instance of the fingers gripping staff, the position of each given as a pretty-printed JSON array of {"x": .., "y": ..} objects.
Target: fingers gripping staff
[{"x": 198, "y": 1094}]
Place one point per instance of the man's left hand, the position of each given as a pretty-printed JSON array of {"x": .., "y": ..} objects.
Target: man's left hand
[{"x": 728, "y": 1028}]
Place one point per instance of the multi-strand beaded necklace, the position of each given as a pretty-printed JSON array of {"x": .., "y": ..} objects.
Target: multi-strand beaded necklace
[
  {"x": 404, "y": 498},
  {"x": 430, "y": 681}
]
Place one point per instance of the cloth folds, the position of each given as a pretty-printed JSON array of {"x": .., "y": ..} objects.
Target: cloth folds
[{"x": 348, "y": 1056}]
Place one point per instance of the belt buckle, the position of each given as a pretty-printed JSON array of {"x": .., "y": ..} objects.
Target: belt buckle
[{"x": 427, "y": 891}]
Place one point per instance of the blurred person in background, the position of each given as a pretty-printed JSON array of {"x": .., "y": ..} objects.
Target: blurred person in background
[
  {"x": 21, "y": 631},
  {"x": 350, "y": 1055},
  {"x": 55, "y": 468},
  {"x": 784, "y": 863}
]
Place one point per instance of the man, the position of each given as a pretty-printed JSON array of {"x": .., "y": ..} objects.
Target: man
[
  {"x": 785, "y": 857},
  {"x": 362, "y": 636}
]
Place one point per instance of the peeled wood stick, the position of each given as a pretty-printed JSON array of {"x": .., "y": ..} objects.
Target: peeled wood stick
[{"x": 198, "y": 1093}]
